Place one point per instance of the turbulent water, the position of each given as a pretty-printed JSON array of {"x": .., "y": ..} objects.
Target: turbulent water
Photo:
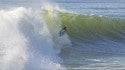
[{"x": 30, "y": 39}]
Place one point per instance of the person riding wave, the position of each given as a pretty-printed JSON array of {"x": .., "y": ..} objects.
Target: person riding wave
[{"x": 63, "y": 30}]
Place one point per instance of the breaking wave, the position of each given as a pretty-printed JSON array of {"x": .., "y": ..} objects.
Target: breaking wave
[
  {"x": 29, "y": 40},
  {"x": 94, "y": 33}
]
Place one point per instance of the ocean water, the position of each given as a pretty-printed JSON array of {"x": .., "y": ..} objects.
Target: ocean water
[{"x": 30, "y": 40}]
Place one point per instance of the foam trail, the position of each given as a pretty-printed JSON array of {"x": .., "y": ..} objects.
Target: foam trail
[{"x": 25, "y": 42}]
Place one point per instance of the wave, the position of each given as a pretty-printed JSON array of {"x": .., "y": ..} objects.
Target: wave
[
  {"x": 94, "y": 33},
  {"x": 93, "y": 26},
  {"x": 30, "y": 40}
]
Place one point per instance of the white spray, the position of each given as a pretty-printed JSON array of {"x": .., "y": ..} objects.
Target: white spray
[{"x": 25, "y": 43}]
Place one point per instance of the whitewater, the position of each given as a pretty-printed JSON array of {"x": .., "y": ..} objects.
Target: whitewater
[
  {"x": 30, "y": 40},
  {"x": 25, "y": 42}
]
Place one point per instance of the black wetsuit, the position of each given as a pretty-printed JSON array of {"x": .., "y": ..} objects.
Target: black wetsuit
[{"x": 63, "y": 31}]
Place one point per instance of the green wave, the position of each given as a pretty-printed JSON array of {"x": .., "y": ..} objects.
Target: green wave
[
  {"x": 88, "y": 27},
  {"x": 92, "y": 26}
]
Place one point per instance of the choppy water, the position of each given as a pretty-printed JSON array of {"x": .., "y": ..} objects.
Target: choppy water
[{"x": 29, "y": 35}]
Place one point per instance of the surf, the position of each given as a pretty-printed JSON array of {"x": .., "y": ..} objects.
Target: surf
[
  {"x": 25, "y": 42},
  {"x": 30, "y": 39},
  {"x": 90, "y": 30}
]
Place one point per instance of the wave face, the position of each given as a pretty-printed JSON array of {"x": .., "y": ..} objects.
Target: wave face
[
  {"x": 100, "y": 33},
  {"x": 94, "y": 33},
  {"x": 91, "y": 26}
]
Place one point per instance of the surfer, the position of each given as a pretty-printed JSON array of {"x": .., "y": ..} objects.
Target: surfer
[{"x": 63, "y": 30}]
